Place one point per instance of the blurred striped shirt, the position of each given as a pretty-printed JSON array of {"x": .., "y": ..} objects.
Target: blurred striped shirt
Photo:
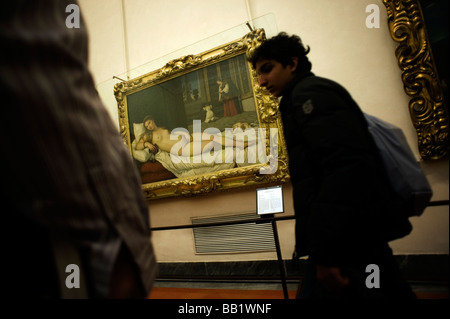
[{"x": 64, "y": 164}]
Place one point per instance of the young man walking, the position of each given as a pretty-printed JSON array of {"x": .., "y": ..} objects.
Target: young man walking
[{"x": 346, "y": 211}]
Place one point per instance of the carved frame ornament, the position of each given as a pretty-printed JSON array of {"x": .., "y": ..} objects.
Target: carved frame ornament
[
  {"x": 428, "y": 109},
  {"x": 266, "y": 110}
]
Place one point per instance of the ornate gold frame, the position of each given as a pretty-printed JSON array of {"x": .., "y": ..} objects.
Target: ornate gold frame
[
  {"x": 266, "y": 109},
  {"x": 427, "y": 106}
]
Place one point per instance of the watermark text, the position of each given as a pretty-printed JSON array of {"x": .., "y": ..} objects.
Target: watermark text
[
  {"x": 73, "y": 19},
  {"x": 373, "y": 19}
]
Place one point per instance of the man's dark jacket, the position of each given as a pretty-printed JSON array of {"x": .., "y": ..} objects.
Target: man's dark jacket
[{"x": 342, "y": 197}]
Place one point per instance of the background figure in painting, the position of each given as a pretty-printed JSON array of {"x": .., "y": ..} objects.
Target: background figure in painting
[{"x": 226, "y": 96}]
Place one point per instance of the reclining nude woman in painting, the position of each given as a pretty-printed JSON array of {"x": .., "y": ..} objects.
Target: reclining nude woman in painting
[
  {"x": 180, "y": 142},
  {"x": 214, "y": 152}
]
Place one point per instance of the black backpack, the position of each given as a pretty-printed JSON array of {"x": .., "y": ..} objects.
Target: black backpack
[{"x": 405, "y": 174}]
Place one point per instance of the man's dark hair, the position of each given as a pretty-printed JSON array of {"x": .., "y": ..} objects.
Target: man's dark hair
[{"x": 282, "y": 48}]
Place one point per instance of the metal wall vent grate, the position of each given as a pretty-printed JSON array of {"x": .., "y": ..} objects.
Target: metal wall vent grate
[{"x": 238, "y": 238}]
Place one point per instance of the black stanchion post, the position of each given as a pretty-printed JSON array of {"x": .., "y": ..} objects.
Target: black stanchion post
[{"x": 279, "y": 256}]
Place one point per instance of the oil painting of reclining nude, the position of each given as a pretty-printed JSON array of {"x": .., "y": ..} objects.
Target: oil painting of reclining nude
[{"x": 200, "y": 124}]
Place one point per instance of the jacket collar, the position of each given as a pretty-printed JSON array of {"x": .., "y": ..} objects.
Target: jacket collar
[{"x": 300, "y": 76}]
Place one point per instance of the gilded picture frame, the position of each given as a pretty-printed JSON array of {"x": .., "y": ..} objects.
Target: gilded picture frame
[
  {"x": 420, "y": 75},
  {"x": 216, "y": 93}
]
